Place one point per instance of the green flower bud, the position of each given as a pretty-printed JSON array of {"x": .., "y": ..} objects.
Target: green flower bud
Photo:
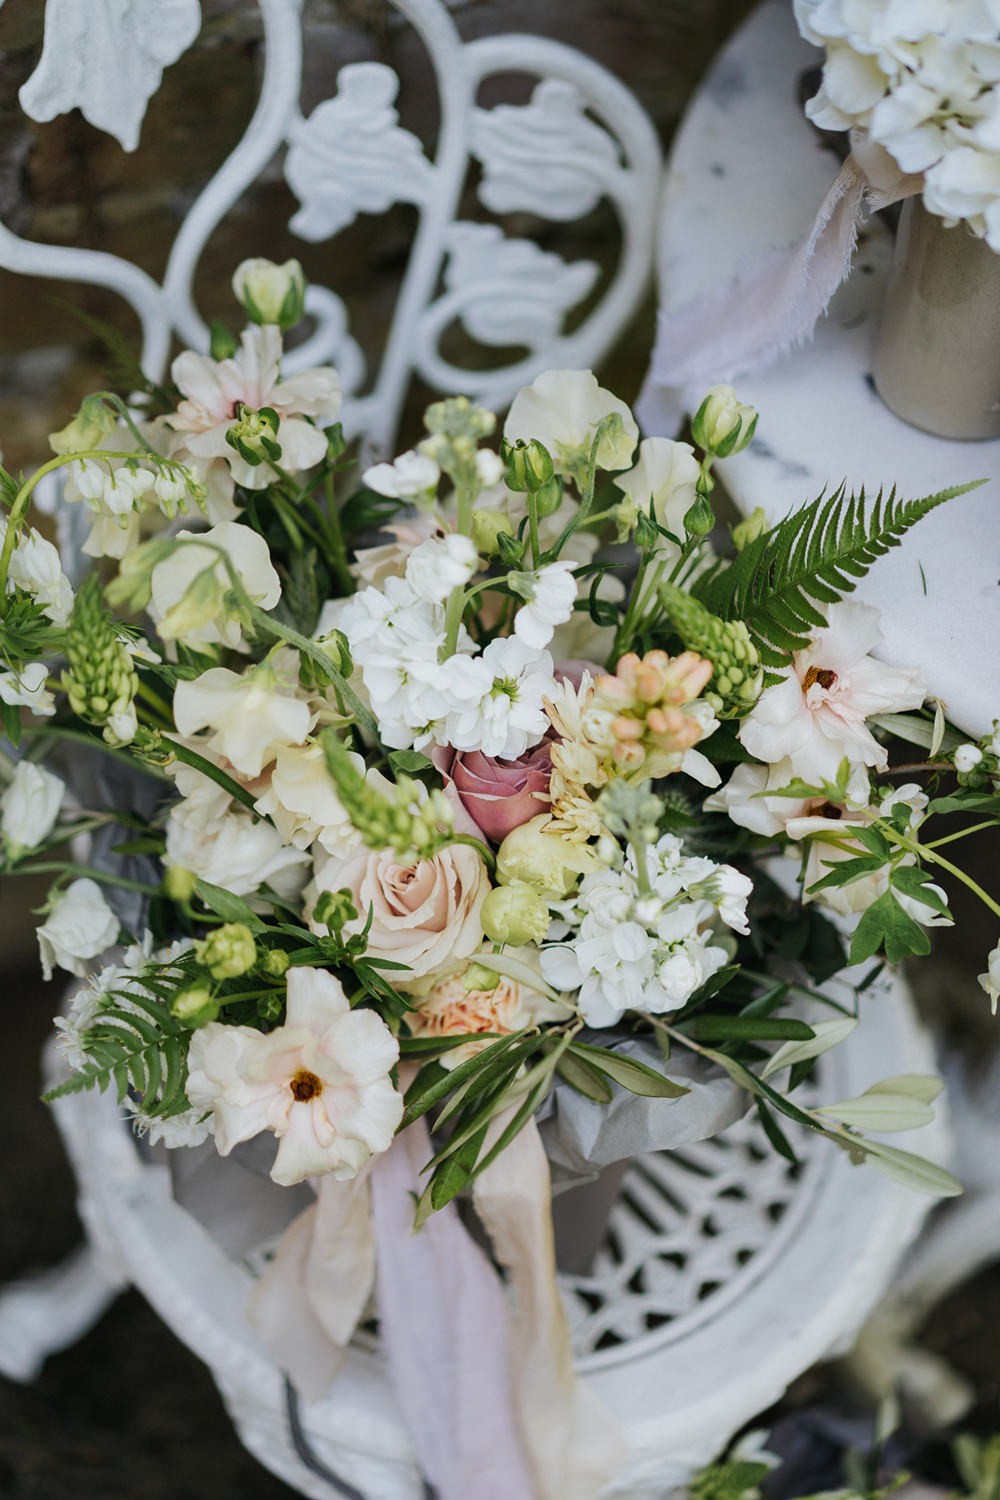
[
  {"x": 227, "y": 952},
  {"x": 516, "y": 914},
  {"x": 700, "y": 519},
  {"x": 750, "y": 529},
  {"x": 737, "y": 677},
  {"x": 254, "y": 435},
  {"x": 88, "y": 429},
  {"x": 398, "y": 819},
  {"x": 271, "y": 293},
  {"x": 457, "y": 417},
  {"x": 487, "y": 528},
  {"x": 178, "y": 884},
  {"x": 222, "y": 343},
  {"x": 195, "y": 1006},
  {"x": 549, "y": 498},
  {"x": 647, "y": 533},
  {"x": 722, "y": 425},
  {"x": 479, "y": 977},
  {"x": 100, "y": 680},
  {"x": 510, "y": 550},
  {"x": 528, "y": 465},
  {"x": 334, "y": 909},
  {"x": 275, "y": 963}
]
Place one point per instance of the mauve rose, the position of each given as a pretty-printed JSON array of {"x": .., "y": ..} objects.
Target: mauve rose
[{"x": 500, "y": 795}]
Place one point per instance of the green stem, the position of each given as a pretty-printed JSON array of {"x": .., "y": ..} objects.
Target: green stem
[
  {"x": 946, "y": 864},
  {"x": 348, "y": 697},
  {"x": 963, "y": 833},
  {"x": 80, "y": 737},
  {"x": 48, "y": 867},
  {"x": 531, "y": 501},
  {"x": 189, "y": 757},
  {"x": 487, "y": 855}
]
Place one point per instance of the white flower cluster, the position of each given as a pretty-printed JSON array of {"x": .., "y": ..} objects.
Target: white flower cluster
[
  {"x": 635, "y": 949},
  {"x": 923, "y": 78},
  {"x": 420, "y": 694}
]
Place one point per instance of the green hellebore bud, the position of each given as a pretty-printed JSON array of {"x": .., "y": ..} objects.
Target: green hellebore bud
[
  {"x": 529, "y": 465},
  {"x": 227, "y": 952},
  {"x": 195, "y": 1006},
  {"x": 515, "y": 914},
  {"x": 275, "y": 963},
  {"x": 254, "y": 435},
  {"x": 271, "y": 293},
  {"x": 722, "y": 425},
  {"x": 179, "y": 884},
  {"x": 748, "y": 530},
  {"x": 88, "y": 429},
  {"x": 487, "y": 528}
]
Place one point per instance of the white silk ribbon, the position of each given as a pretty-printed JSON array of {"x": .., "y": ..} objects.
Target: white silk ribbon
[{"x": 774, "y": 304}]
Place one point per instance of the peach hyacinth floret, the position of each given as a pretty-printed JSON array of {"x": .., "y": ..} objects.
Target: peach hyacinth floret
[{"x": 320, "y": 1082}]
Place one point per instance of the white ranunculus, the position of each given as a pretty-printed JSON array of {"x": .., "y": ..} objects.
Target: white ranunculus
[
  {"x": 320, "y": 1082},
  {"x": 250, "y": 715},
  {"x": 210, "y": 618},
  {"x": 440, "y": 565},
  {"x": 562, "y": 409},
  {"x": 409, "y": 477},
  {"x": 815, "y": 717},
  {"x": 79, "y": 926},
  {"x": 666, "y": 474},
  {"x": 28, "y": 689},
  {"x": 29, "y": 807}
]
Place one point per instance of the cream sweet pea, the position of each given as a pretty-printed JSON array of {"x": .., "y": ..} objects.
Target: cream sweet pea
[
  {"x": 320, "y": 1082},
  {"x": 191, "y": 587},
  {"x": 250, "y": 714},
  {"x": 563, "y": 409}
]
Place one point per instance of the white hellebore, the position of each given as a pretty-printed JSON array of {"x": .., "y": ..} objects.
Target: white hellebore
[
  {"x": 550, "y": 595},
  {"x": 563, "y": 409},
  {"x": 815, "y": 717},
  {"x": 250, "y": 714},
  {"x": 79, "y": 926},
  {"x": 320, "y": 1082},
  {"x": 190, "y": 587},
  {"x": 29, "y": 807}
]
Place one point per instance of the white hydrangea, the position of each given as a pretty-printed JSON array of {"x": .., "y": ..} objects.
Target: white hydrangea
[{"x": 631, "y": 949}]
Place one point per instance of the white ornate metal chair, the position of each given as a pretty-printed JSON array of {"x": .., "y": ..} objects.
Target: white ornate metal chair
[{"x": 724, "y": 1272}]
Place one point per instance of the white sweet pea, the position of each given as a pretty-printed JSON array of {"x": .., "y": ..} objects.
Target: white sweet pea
[
  {"x": 250, "y": 714},
  {"x": 666, "y": 474},
  {"x": 409, "y": 477},
  {"x": 28, "y": 689},
  {"x": 440, "y": 565},
  {"x": 990, "y": 981},
  {"x": 816, "y": 716},
  {"x": 562, "y": 409},
  {"x": 190, "y": 587},
  {"x": 35, "y": 567},
  {"x": 29, "y": 807},
  {"x": 320, "y": 1082},
  {"x": 79, "y": 926},
  {"x": 301, "y": 800},
  {"x": 550, "y": 597}
]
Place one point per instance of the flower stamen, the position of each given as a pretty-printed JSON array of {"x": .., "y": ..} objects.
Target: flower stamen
[{"x": 305, "y": 1086}]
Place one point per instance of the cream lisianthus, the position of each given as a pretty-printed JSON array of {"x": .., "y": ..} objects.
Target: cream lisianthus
[
  {"x": 250, "y": 714},
  {"x": 563, "y": 409},
  {"x": 191, "y": 587},
  {"x": 667, "y": 474},
  {"x": 29, "y": 807},
  {"x": 319, "y": 1082},
  {"x": 815, "y": 717},
  {"x": 80, "y": 925},
  {"x": 213, "y": 389}
]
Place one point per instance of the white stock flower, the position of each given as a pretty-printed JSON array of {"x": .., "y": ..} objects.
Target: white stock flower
[
  {"x": 29, "y": 807},
  {"x": 250, "y": 714},
  {"x": 409, "y": 477},
  {"x": 212, "y": 389},
  {"x": 990, "y": 981},
  {"x": 815, "y": 717},
  {"x": 183, "y": 570},
  {"x": 28, "y": 689},
  {"x": 551, "y": 595},
  {"x": 489, "y": 468},
  {"x": 36, "y": 568},
  {"x": 666, "y": 474},
  {"x": 79, "y": 926},
  {"x": 510, "y": 714},
  {"x": 562, "y": 409},
  {"x": 441, "y": 565},
  {"x": 320, "y": 1082}
]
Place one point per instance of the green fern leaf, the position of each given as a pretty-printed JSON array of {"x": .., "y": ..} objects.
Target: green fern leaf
[{"x": 814, "y": 556}]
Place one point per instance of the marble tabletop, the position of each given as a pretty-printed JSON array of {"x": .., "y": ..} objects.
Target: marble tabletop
[{"x": 747, "y": 174}]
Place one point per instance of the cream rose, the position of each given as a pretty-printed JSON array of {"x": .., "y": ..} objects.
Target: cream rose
[{"x": 424, "y": 915}]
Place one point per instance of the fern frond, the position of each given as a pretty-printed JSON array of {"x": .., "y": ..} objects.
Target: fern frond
[
  {"x": 813, "y": 557},
  {"x": 133, "y": 1043}
]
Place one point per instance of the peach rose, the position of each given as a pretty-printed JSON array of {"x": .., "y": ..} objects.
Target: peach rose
[{"x": 423, "y": 915}]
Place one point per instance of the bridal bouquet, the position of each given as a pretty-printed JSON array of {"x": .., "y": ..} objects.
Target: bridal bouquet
[
  {"x": 428, "y": 792},
  {"x": 922, "y": 81}
]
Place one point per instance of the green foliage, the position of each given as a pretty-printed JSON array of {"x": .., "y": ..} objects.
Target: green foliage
[
  {"x": 121, "y": 365},
  {"x": 810, "y": 558}
]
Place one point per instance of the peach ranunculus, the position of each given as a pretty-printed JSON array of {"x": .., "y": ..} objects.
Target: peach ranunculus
[
  {"x": 425, "y": 915},
  {"x": 500, "y": 795},
  {"x": 320, "y": 1082}
]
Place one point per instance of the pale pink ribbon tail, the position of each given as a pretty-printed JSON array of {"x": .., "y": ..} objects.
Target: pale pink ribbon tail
[
  {"x": 444, "y": 1331},
  {"x": 312, "y": 1296},
  {"x": 774, "y": 304},
  {"x": 574, "y": 1444}
]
